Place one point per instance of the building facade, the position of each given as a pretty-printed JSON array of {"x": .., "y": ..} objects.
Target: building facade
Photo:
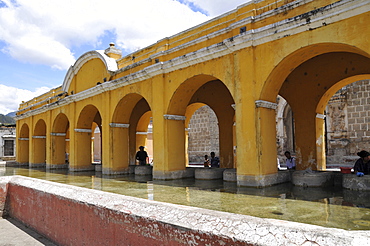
[
  {"x": 237, "y": 64},
  {"x": 7, "y": 143}
]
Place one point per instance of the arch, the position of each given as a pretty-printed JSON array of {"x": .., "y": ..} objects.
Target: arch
[
  {"x": 23, "y": 144},
  {"x": 183, "y": 94},
  {"x": 320, "y": 108},
  {"x": 305, "y": 79},
  {"x": 124, "y": 108},
  {"x": 59, "y": 146},
  {"x": 290, "y": 62},
  {"x": 130, "y": 120},
  {"x": 87, "y": 116},
  {"x": 82, "y": 158},
  {"x": 190, "y": 110},
  {"x": 201, "y": 90},
  {"x": 39, "y": 144},
  {"x": 110, "y": 64}
]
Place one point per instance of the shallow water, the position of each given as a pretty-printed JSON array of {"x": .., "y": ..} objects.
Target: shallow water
[{"x": 329, "y": 207}]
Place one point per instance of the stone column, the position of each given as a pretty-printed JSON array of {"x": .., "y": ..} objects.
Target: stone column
[
  {"x": 58, "y": 151},
  {"x": 39, "y": 155},
  {"x": 82, "y": 153},
  {"x": 263, "y": 169},
  {"x": 119, "y": 148},
  {"x": 23, "y": 150},
  {"x": 173, "y": 166}
]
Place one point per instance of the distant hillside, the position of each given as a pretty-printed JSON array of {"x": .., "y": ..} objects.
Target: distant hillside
[
  {"x": 6, "y": 119},
  {"x": 11, "y": 114}
]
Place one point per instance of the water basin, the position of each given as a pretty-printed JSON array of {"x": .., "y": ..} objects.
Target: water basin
[{"x": 330, "y": 206}]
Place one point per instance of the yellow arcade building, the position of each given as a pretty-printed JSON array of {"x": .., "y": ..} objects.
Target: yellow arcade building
[{"x": 237, "y": 64}]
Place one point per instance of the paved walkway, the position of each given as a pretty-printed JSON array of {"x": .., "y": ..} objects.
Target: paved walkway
[{"x": 13, "y": 233}]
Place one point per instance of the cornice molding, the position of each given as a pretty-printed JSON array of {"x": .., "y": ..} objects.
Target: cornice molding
[
  {"x": 83, "y": 130},
  {"x": 119, "y": 125},
  {"x": 320, "y": 116},
  {"x": 58, "y": 134},
  {"x": 266, "y": 104},
  {"x": 174, "y": 117}
]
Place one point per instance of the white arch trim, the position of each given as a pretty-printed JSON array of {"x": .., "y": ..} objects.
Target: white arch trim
[{"x": 110, "y": 64}]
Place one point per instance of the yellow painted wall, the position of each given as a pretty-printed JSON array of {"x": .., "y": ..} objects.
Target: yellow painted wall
[{"x": 303, "y": 64}]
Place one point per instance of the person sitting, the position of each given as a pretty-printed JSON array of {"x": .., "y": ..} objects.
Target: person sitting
[
  {"x": 362, "y": 165},
  {"x": 215, "y": 161},
  {"x": 290, "y": 161},
  {"x": 206, "y": 161}
]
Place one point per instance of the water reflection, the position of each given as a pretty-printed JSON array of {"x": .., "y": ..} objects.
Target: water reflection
[{"x": 319, "y": 206}]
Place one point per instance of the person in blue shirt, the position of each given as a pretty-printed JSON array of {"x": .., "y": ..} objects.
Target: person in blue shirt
[
  {"x": 215, "y": 161},
  {"x": 290, "y": 161},
  {"x": 362, "y": 165}
]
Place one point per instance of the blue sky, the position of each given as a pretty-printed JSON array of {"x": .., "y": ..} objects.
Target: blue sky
[{"x": 41, "y": 39}]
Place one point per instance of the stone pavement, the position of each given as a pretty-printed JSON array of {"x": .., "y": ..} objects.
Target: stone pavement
[{"x": 13, "y": 233}]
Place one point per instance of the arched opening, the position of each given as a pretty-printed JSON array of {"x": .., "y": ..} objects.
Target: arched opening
[
  {"x": 59, "y": 144},
  {"x": 198, "y": 91},
  {"x": 309, "y": 82},
  {"x": 130, "y": 128},
  {"x": 347, "y": 119},
  {"x": 144, "y": 134},
  {"x": 39, "y": 144},
  {"x": 202, "y": 133},
  {"x": 88, "y": 119},
  {"x": 23, "y": 145},
  {"x": 285, "y": 129},
  {"x": 96, "y": 142}
]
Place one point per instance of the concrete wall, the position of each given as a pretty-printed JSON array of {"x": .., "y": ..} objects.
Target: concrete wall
[{"x": 71, "y": 215}]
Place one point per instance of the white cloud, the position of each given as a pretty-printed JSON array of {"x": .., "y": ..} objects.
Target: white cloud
[
  {"x": 44, "y": 32},
  {"x": 11, "y": 97},
  {"x": 217, "y": 7}
]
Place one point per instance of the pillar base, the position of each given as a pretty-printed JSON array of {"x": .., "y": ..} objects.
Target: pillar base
[
  {"x": 82, "y": 169},
  {"x": 352, "y": 182},
  {"x": 169, "y": 175},
  {"x": 56, "y": 166},
  {"x": 230, "y": 175},
  {"x": 312, "y": 179},
  {"x": 209, "y": 173},
  {"x": 131, "y": 169},
  {"x": 263, "y": 180},
  {"x": 110, "y": 171},
  {"x": 17, "y": 164},
  {"x": 37, "y": 165}
]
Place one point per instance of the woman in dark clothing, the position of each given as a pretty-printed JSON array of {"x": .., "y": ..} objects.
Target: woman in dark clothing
[{"x": 362, "y": 165}]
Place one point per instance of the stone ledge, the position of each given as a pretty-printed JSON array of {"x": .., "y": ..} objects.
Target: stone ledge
[
  {"x": 263, "y": 180},
  {"x": 143, "y": 170},
  {"x": 56, "y": 166},
  {"x": 312, "y": 178},
  {"x": 110, "y": 171},
  {"x": 170, "y": 175},
  {"x": 37, "y": 165},
  {"x": 352, "y": 182},
  {"x": 209, "y": 173},
  {"x": 133, "y": 221}
]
